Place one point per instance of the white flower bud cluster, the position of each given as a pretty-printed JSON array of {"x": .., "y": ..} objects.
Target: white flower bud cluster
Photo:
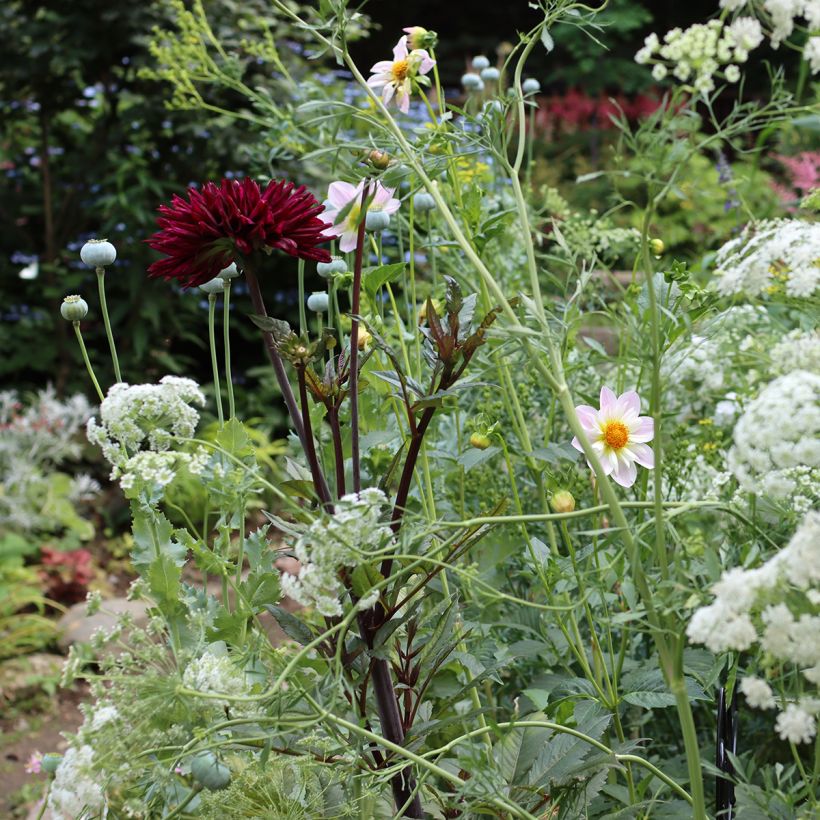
[
  {"x": 763, "y": 605},
  {"x": 778, "y": 431},
  {"x": 75, "y": 791},
  {"x": 157, "y": 470},
  {"x": 145, "y": 416},
  {"x": 770, "y": 256},
  {"x": 696, "y": 54},
  {"x": 215, "y": 674},
  {"x": 334, "y": 542},
  {"x": 797, "y": 350}
]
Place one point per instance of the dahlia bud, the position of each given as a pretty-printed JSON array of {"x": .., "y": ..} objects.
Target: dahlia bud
[
  {"x": 318, "y": 301},
  {"x": 74, "y": 308},
  {"x": 98, "y": 253},
  {"x": 376, "y": 221},
  {"x": 531, "y": 86},
  {"x": 563, "y": 501},
  {"x": 231, "y": 272},
  {"x": 50, "y": 762},
  {"x": 379, "y": 159},
  {"x": 472, "y": 82},
  {"x": 424, "y": 202},
  {"x": 490, "y": 74},
  {"x": 480, "y": 441},
  {"x": 480, "y": 62},
  {"x": 212, "y": 286},
  {"x": 419, "y": 37},
  {"x": 656, "y": 246},
  {"x": 363, "y": 339},
  {"x": 336, "y": 265}
]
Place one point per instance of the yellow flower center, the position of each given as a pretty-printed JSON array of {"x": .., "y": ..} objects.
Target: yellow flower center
[
  {"x": 615, "y": 434},
  {"x": 400, "y": 70}
]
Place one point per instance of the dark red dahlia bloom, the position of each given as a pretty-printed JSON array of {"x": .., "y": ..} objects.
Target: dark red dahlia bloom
[{"x": 205, "y": 233}]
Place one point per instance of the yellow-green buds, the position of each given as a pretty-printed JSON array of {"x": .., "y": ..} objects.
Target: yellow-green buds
[
  {"x": 481, "y": 441},
  {"x": 656, "y": 246},
  {"x": 563, "y": 501},
  {"x": 74, "y": 308},
  {"x": 98, "y": 253},
  {"x": 379, "y": 159},
  {"x": 419, "y": 37},
  {"x": 363, "y": 339}
]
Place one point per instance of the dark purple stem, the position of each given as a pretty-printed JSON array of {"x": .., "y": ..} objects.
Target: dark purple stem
[
  {"x": 354, "y": 345},
  {"x": 338, "y": 451},
  {"x": 319, "y": 481}
]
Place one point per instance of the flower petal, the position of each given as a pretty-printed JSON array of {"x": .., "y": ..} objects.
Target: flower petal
[
  {"x": 608, "y": 402},
  {"x": 642, "y": 429},
  {"x": 642, "y": 453},
  {"x": 625, "y": 473},
  {"x": 629, "y": 403},
  {"x": 588, "y": 416}
]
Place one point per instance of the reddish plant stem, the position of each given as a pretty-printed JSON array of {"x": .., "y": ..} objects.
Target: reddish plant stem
[
  {"x": 319, "y": 480},
  {"x": 354, "y": 344},
  {"x": 338, "y": 451}
]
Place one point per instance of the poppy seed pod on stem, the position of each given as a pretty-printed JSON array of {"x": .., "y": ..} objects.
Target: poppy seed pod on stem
[
  {"x": 74, "y": 308},
  {"x": 231, "y": 272},
  {"x": 318, "y": 301},
  {"x": 376, "y": 221},
  {"x": 98, "y": 253},
  {"x": 337, "y": 265}
]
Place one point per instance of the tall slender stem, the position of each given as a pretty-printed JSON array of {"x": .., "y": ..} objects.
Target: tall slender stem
[
  {"x": 226, "y": 344},
  {"x": 338, "y": 451},
  {"x": 354, "y": 345},
  {"x": 300, "y": 276},
  {"x": 319, "y": 481},
  {"x": 87, "y": 360},
  {"x": 275, "y": 359},
  {"x": 107, "y": 322},
  {"x": 214, "y": 361}
]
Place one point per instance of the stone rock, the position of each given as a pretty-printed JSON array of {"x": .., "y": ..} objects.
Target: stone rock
[
  {"x": 77, "y": 627},
  {"x": 23, "y": 677}
]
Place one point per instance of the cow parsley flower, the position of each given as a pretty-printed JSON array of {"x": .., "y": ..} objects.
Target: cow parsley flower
[
  {"x": 335, "y": 542},
  {"x": 757, "y": 692},
  {"x": 776, "y": 255},
  {"x": 778, "y": 431},
  {"x": 75, "y": 792},
  {"x": 215, "y": 674},
  {"x": 343, "y": 207},
  {"x": 796, "y": 725},
  {"x": 797, "y": 350},
  {"x": 400, "y": 76},
  {"x": 618, "y": 434}
]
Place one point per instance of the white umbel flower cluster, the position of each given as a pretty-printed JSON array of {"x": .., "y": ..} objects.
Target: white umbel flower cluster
[
  {"x": 157, "y": 470},
  {"x": 777, "y": 435},
  {"x": 771, "y": 256},
  {"x": 215, "y": 674},
  {"x": 343, "y": 539},
  {"x": 75, "y": 793},
  {"x": 145, "y": 417},
  {"x": 797, "y": 350},
  {"x": 695, "y": 55},
  {"x": 765, "y": 605}
]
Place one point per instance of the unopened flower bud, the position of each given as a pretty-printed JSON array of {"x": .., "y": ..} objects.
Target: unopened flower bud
[
  {"x": 530, "y": 86},
  {"x": 424, "y": 202},
  {"x": 480, "y": 441},
  {"x": 50, "y": 762},
  {"x": 376, "y": 221},
  {"x": 328, "y": 269},
  {"x": 379, "y": 159},
  {"x": 490, "y": 74},
  {"x": 98, "y": 253},
  {"x": 363, "y": 339},
  {"x": 419, "y": 37},
  {"x": 656, "y": 246},
  {"x": 317, "y": 301},
  {"x": 480, "y": 62},
  {"x": 212, "y": 286},
  {"x": 563, "y": 501},
  {"x": 74, "y": 308},
  {"x": 231, "y": 272},
  {"x": 472, "y": 82}
]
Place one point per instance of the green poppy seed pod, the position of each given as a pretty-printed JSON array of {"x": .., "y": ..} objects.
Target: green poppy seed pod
[
  {"x": 563, "y": 501},
  {"x": 98, "y": 253},
  {"x": 472, "y": 82},
  {"x": 480, "y": 62},
  {"x": 337, "y": 265},
  {"x": 215, "y": 285},
  {"x": 490, "y": 74},
  {"x": 318, "y": 301},
  {"x": 231, "y": 272},
  {"x": 424, "y": 202},
  {"x": 531, "y": 86},
  {"x": 376, "y": 221},
  {"x": 209, "y": 772},
  {"x": 50, "y": 762},
  {"x": 74, "y": 308}
]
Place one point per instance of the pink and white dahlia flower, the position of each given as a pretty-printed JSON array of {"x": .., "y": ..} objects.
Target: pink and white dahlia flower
[
  {"x": 618, "y": 434},
  {"x": 398, "y": 76},
  {"x": 344, "y": 221}
]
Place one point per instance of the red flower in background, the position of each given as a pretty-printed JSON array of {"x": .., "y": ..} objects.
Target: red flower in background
[
  {"x": 205, "y": 233},
  {"x": 66, "y": 575}
]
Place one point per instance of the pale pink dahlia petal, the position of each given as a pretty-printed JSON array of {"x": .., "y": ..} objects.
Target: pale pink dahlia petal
[
  {"x": 427, "y": 62},
  {"x": 347, "y": 242},
  {"x": 642, "y": 453},
  {"x": 577, "y": 444},
  {"x": 387, "y": 93},
  {"x": 642, "y": 429},
  {"x": 608, "y": 401},
  {"x": 383, "y": 67},
  {"x": 588, "y": 416},
  {"x": 400, "y": 49},
  {"x": 629, "y": 403},
  {"x": 625, "y": 473},
  {"x": 339, "y": 194}
]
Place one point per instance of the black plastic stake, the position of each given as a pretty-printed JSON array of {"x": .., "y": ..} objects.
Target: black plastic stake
[{"x": 725, "y": 742}]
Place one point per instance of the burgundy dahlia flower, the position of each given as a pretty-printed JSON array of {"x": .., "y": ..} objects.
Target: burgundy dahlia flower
[{"x": 219, "y": 223}]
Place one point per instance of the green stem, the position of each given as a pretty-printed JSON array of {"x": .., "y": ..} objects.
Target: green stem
[
  {"x": 214, "y": 362},
  {"x": 107, "y": 321},
  {"x": 226, "y": 344},
  {"x": 303, "y": 327},
  {"x": 87, "y": 360}
]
